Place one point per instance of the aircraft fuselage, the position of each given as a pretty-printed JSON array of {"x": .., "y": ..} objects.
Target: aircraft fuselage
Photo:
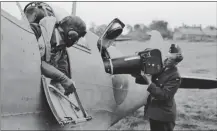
[{"x": 107, "y": 98}]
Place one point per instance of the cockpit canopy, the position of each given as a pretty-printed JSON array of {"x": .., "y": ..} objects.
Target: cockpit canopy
[{"x": 35, "y": 11}]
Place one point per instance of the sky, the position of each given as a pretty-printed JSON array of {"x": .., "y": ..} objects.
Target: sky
[{"x": 175, "y": 13}]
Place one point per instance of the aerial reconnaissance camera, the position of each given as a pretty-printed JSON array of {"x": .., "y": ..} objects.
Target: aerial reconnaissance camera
[{"x": 149, "y": 61}]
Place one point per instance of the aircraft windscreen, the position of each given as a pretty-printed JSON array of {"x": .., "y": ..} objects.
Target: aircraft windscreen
[
  {"x": 12, "y": 9},
  {"x": 59, "y": 12}
]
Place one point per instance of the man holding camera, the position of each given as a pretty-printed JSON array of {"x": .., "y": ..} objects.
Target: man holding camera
[{"x": 161, "y": 106}]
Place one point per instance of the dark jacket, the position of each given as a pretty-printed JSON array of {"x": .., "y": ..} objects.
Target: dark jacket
[
  {"x": 161, "y": 103},
  {"x": 60, "y": 61}
]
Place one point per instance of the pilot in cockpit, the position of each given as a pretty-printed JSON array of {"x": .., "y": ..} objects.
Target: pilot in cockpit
[{"x": 54, "y": 37}]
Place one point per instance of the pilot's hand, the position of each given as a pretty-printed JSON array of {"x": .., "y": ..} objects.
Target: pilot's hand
[
  {"x": 69, "y": 90},
  {"x": 69, "y": 86}
]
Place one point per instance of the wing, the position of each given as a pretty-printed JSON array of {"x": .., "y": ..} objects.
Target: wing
[{"x": 198, "y": 83}]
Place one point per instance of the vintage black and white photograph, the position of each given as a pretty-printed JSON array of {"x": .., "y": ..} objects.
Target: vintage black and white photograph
[{"x": 109, "y": 65}]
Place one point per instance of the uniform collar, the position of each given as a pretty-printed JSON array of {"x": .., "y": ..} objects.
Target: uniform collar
[
  {"x": 169, "y": 70},
  {"x": 166, "y": 71},
  {"x": 57, "y": 46}
]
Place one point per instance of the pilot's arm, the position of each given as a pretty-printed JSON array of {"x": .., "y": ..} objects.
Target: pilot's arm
[
  {"x": 167, "y": 92},
  {"x": 63, "y": 64},
  {"x": 54, "y": 74}
]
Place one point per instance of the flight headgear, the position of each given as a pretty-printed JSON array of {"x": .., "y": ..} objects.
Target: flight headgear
[{"x": 73, "y": 28}]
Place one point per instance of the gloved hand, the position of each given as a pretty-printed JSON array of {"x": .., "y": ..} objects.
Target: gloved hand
[
  {"x": 68, "y": 85},
  {"x": 147, "y": 78},
  {"x": 136, "y": 75},
  {"x": 56, "y": 75},
  {"x": 141, "y": 79}
]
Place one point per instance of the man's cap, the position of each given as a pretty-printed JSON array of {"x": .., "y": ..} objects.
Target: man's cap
[{"x": 176, "y": 52}]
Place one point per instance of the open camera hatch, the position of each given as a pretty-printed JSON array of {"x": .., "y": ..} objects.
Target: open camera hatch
[{"x": 112, "y": 31}]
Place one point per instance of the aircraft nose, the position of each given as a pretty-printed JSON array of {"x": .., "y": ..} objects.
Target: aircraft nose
[{"x": 128, "y": 96}]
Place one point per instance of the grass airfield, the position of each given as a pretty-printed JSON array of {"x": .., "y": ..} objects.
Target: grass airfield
[{"x": 196, "y": 109}]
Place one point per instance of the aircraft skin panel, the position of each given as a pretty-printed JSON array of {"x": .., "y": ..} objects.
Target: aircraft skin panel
[
  {"x": 46, "y": 121},
  {"x": 97, "y": 89},
  {"x": 87, "y": 70},
  {"x": 20, "y": 23},
  {"x": 88, "y": 67},
  {"x": 33, "y": 121},
  {"x": 101, "y": 113},
  {"x": 20, "y": 70}
]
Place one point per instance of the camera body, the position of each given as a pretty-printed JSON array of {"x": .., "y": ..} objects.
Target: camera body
[{"x": 149, "y": 61}]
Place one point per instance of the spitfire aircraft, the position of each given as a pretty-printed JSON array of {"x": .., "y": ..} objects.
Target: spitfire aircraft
[{"x": 29, "y": 102}]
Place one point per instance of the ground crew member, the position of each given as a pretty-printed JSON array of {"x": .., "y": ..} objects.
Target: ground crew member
[{"x": 161, "y": 106}]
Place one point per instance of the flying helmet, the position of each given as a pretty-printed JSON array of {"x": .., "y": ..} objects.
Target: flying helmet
[{"x": 72, "y": 29}]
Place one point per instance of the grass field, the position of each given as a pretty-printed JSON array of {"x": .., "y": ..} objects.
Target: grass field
[{"x": 196, "y": 109}]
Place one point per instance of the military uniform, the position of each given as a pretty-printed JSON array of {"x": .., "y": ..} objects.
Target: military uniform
[
  {"x": 161, "y": 106},
  {"x": 53, "y": 37},
  {"x": 54, "y": 61}
]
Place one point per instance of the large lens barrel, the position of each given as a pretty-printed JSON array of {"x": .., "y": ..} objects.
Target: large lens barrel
[
  {"x": 123, "y": 65},
  {"x": 149, "y": 61}
]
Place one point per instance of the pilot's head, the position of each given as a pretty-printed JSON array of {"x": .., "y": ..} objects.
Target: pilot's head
[
  {"x": 174, "y": 56},
  {"x": 72, "y": 28}
]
